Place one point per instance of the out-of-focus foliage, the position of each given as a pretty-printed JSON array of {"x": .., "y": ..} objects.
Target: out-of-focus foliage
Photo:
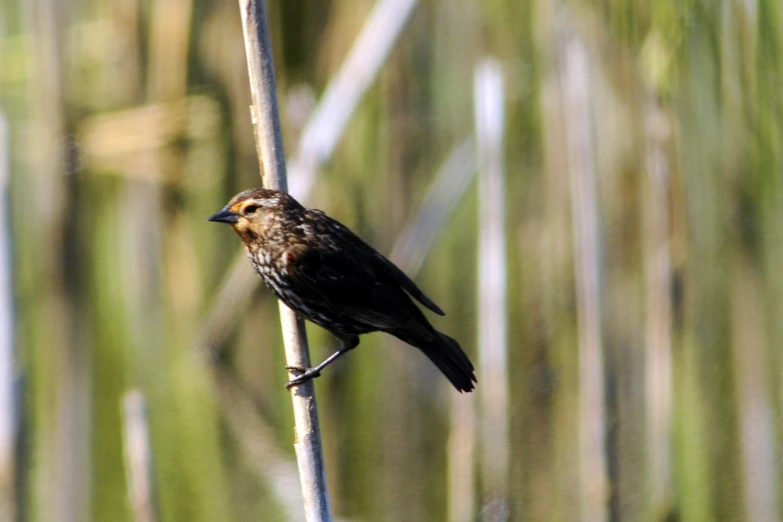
[{"x": 129, "y": 125}]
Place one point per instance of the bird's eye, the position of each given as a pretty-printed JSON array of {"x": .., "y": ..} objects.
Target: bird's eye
[{"x": 250, "y": 209}]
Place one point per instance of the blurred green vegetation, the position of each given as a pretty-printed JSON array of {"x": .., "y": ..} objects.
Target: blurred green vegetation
[{"x": 130, "y": 125}]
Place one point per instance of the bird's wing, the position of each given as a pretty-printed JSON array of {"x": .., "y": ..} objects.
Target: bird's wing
[
  {"x": 351, "y": 288},
  {"x": 406, "y": 282},
  {"x": 381, "y": 265}
]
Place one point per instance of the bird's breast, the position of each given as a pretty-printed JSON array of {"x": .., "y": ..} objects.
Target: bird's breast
[{"x": 274, "y": 274}]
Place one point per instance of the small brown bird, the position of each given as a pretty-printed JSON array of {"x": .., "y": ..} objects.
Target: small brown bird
[{"x": 326, "y": 273}]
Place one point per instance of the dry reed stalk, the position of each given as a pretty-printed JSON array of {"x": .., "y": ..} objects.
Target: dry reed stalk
[
  {"x": 489, "y": 107},
  {"x": 658, "y": 327},
  {"x": 269, "y": 145},
  {"x": 138, "y": 457},
  {"x": 575, "y": 89},
  {"x": 61, "y": 455},
  {"x": 754, "y": 405},
  {"x": 327, "y": 123},
  {"x": 8, "y": 424},
  {"x": 451, "y": 182}
]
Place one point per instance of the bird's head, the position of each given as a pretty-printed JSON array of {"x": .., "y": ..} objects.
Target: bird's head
[{"x": 253, "y": 212}]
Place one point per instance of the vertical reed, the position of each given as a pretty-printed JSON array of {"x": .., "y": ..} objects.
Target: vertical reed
[
  {"x": 492, "y": 290},
  {"x": 580, "y": 141},
  {"x": 9, "y": 402},
  {"x": 269, "y": 145}
]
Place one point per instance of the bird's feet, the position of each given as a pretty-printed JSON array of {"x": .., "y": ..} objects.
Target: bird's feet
[{"x": 305, "y": 374}]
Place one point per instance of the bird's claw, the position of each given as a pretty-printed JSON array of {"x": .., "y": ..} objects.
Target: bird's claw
[{"x": 305, "y": 375}]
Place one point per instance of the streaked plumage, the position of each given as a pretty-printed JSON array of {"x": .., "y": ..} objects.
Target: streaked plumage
[{"x": 321, "y": 269}]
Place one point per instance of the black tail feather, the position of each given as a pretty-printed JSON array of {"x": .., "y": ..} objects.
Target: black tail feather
[{"x": 447, "y": 355}]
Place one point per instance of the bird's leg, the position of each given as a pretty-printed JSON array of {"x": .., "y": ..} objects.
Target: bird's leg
[{"x": 348, "y": 344}]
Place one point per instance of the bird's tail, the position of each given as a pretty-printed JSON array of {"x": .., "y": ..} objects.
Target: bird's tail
[{"x": 447, "y": 355}]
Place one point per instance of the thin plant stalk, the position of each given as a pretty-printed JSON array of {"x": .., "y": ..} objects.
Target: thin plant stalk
[
  {"x": 138, "y": 457},
  {"x": 461, "y": 451},
  {"x": 658, "y": 327},
  {"x": 584, "y": 214},
  {"x": 346, "y": 89},
  {"x": 7, "y": 397},
  {"x": 756, "y": 412},
  {"x": 489, "y": 107},
  {"x": 60, "y": 368},
  {"x": 451, "y": 182},
  {"x": 269, "y": 145}
]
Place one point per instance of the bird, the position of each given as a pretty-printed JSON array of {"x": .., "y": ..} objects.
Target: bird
[{"x": 330, "y": 276}]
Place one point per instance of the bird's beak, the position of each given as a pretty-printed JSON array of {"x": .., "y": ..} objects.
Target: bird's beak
[{"x": 224, "y": 216}]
